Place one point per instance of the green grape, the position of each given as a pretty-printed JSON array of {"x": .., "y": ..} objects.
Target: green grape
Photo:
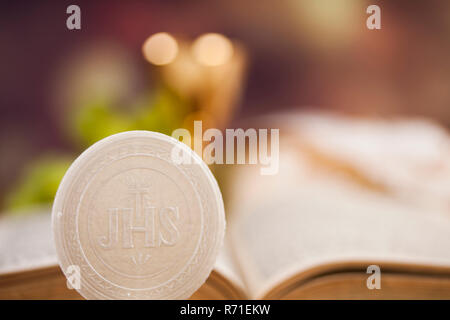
[
  {"x": 39, "y": 183},
  {"x": 91, "y": 122},
  {"x": 97, "y": 120},
  {"x": 163, "y": 113}
]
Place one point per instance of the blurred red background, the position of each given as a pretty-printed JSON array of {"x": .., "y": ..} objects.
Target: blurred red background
[{"x": 301, "y": 54}]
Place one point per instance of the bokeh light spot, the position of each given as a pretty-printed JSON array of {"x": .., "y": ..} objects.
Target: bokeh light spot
[
  {"x": 212, "y": 49},
  {"x": 160, "y": 49}
]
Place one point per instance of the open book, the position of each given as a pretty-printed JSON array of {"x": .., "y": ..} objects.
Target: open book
[{"x": 349, "y": 194}]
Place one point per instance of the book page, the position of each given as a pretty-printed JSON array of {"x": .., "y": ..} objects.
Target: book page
[
  {"x": 301, "y": 218},
  {"x": 408, "y": 157},
  {"x": 227, "y": 266},
  {"x": 26, "y": 244},
  {"x": 26, "y": 241}
]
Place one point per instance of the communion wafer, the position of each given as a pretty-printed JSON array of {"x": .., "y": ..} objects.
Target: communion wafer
[{"x": 129, "y": 222}]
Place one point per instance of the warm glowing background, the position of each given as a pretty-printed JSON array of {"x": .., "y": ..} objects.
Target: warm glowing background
[{"x": 62, "y": 90}]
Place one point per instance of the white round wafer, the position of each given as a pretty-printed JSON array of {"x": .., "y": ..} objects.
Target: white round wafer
[{"x": 136, "y": 224}]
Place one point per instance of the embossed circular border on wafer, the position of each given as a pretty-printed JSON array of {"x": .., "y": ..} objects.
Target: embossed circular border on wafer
[{"x": 184, "y": 282}]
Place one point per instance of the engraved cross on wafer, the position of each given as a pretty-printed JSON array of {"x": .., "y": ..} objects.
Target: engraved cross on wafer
[{"x": 157, "y": 224}]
